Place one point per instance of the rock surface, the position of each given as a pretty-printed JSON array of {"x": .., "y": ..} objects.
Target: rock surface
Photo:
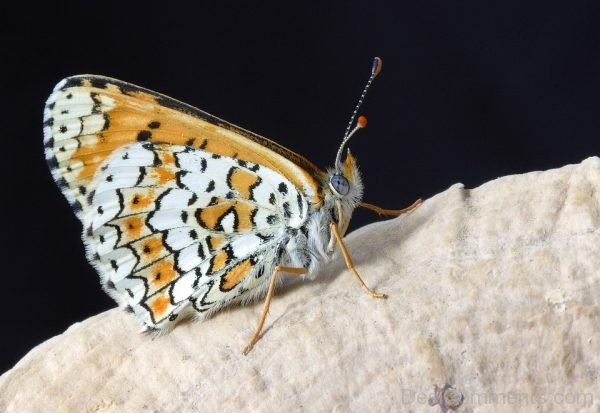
[{"x": 494, "y": 306}]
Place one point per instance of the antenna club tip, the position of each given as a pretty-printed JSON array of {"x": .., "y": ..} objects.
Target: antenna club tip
[
  {"x": 361, "y": 122},
  {"x": 377, "y": 64}
]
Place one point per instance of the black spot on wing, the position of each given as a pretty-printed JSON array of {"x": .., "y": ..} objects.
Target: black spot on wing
[
  {"x": 287, "y": 210},
  {"x": 211, "y": 186},
  {"x": 90, "y": 197},
  {"x": 106, "y": 118},
  {"x": 72, "y": 82},
  {"x": 201, "y": 253},
  {"x": 283, "y": 188},
  {"x": 98, "y": 82},
  {"x": 53, "y": 164},
  {"x": 144, "y": 136},
  {"x": 300, "y": 203}
]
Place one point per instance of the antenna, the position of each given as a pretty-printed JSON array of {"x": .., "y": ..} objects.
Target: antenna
[{"x": 375, "y": 69}]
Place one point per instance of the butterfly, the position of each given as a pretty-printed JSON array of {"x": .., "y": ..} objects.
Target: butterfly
[{"x": 184, "y": 213}]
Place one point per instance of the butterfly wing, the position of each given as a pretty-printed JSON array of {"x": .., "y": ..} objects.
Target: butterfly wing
[
  {"x": 175, "y": 231},
  {"x": 182, "y": 211},
  {"x": 88, "y": 117}
]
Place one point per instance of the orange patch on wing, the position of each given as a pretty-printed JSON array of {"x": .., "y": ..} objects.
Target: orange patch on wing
[
  {"x": 236, "y": 274},
  {"x": 151, "y": 247},
  {"x": 210, "y": 215},
  {"x": 219, "y": 261},
  {"x": 139, "y": 201},
  {"x": 215, "y": 241},
  {"x": 242, "y": 180},
  {"x": 131, "y": 113},
  {"x": 133, "y": 226},
  {"x": 159, "y": 305},
  {"x": 167, "y": 158},
  {"x": 163, "y": 272},
  {"x": 244, "y": 213},
  {"x": 163, "y": 175}
]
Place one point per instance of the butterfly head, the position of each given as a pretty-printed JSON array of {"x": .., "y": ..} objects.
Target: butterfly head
[
  {"x": 344, "y": 190},
  {"x": 345, "y": 181}
]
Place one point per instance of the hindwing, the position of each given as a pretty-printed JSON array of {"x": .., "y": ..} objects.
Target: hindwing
[{"x": 172, "y": 228}]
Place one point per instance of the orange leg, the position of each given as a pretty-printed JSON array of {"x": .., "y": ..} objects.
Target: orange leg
[
  {"x": 265, "y": 311},
  {"x": 336, "y": 233},
  {"x": 390, "y": 212}
]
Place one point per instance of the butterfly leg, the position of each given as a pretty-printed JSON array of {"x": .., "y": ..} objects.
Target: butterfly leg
[
  {"x": 336, "y": 233},
  {"x": 390, "y": 212},
  {"x": 265, "y": 311}
]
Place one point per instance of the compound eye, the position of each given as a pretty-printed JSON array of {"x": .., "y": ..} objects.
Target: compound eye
[{"x": 339, "y": 184}]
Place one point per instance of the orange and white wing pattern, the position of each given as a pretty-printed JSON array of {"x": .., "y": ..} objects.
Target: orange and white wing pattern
[
  {"x": 87, "y": 117},
  {"x": 182, "y": 212},
  {"x": 176, "y": 231}
]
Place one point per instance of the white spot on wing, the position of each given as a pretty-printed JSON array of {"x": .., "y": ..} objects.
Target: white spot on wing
[
  {"x": 227, "y": 222},
  {"x": 183, "y": 288},
  {"x": 188, "y": 258},
  {"x": 92, "y": 124},
  {"x": 243, "y": 246}
]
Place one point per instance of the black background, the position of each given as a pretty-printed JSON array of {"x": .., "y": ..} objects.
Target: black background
[{"x": 469, "y": 91}]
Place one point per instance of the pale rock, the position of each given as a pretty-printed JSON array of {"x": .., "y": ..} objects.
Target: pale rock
[{"x": 493, "y": 307}]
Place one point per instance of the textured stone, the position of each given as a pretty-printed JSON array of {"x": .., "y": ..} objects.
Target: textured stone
[{"x": 493, "y": 306}]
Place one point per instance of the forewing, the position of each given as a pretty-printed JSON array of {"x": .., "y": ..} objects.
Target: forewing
[
  {"x": 171, "y": 228},
  {"x": 88, "y": 117}
]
